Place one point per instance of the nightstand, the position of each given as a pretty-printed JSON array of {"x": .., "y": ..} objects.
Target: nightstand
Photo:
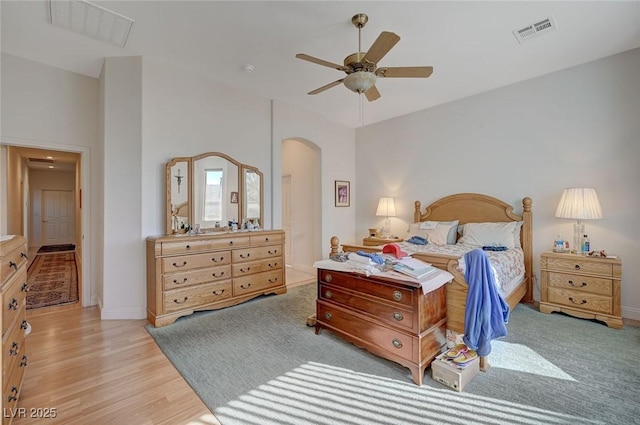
[
  {"x": 373, "y": 241},
  {"x": 582, "y": 286}
]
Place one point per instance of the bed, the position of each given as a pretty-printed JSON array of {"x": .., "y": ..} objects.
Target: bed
[{"x": 468, "y": 208}]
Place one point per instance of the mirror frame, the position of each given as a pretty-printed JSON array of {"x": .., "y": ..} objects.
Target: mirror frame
[{"x": 242, "y": 169}]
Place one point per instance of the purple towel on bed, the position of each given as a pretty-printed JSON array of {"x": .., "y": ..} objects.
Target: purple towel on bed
[{"x": 486, "y": 313}]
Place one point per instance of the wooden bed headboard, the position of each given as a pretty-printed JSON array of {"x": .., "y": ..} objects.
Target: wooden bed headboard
[{"x": 479, "y": 208}]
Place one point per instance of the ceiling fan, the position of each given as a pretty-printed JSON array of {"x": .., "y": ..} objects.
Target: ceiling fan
[{"x": 362, "y": 67}]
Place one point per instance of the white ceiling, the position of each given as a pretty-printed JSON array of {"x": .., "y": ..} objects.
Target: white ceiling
[{"x": 470, "y": 45}]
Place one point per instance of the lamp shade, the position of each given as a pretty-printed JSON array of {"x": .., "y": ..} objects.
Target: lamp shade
[
  {"x": 579, "y": 203},
  {"x": 386, "y": 207},
  {"x": 360, "y": 81}
]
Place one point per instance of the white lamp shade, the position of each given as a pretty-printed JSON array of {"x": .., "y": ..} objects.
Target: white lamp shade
[
  {"x": 360, "y": 81},
  {"x": 579, "y": 203},
  {"x": 386, "y": 207}
]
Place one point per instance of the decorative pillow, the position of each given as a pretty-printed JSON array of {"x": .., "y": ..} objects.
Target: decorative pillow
[
  {"x": 489, "y": 234},
  {"x": 435, "y": 232},
  {"x": 516, "y": 233}
]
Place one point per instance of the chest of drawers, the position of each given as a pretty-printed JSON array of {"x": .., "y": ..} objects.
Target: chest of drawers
[
  {"x": 390, "y": 318},
  {"x": 582, "y": 286},
  {"x": 206, "y": 272},
  {"x": 13, "y": 273}
]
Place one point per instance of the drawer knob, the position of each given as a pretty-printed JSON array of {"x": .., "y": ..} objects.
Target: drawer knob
[
  {"x": 577, "y": 266},
  {"x": 274, "y": 252},
  {"x": 23, "y": 255},
  {"x": 24, "y": 325},
  {"x": 184, "y": 263},
  {"x": 328, "y": 277},
  {"x": 177, "y": 282},
  {"x": 398, "y": 316},
  {"x": 246, "y": 286},
  {"x": 13, "y": 351},
  {"x": 397, "y": 295},
  {"x": 11, "y": 398},
  {"x": 245, "y": 270},
  {"x": 328, "y": 316},
  {"x": 220, "y": 292},
  {"x": 14, "y": 389},
  {"x": 397, "y": 343},
  {"x": 577, "y": 302},
  {"x": 217, "y": 275},
  {"x": 328, "y": 294},
  {"x": 215, "y": 260},
  {"x": 273, "y": 280},
  {"x": 582, "y": 285},
  {"x": 245, "y": 255},
  {"x": 177, "y": 301},
  {"x": 13, "y": 305},
  {"x": 266, "y": 239},
  {"x": 24, "y": 362},
  {"x": 14, "y": 265},
  {"x": 24, "y": 287},
  {"x": 188, "y": 247},
  {"x": 272, "y": 265}
]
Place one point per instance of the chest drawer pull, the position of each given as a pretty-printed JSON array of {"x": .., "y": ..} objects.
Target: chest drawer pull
[
  {"x": 188, "y": 247},
  {"x": 24, "y": 287},
  {"x": 328, "y": 294},
  {"x": 274, "y": 252},
  {"x": 24, "y": 324},
  {"x": 576, "y": 302},
  {"x": 24, "y": 361},
  {"x": 398, "y": 316},
  {"x": 245, "y": 270},
  {"x": 220, "y": 292},
  {"x": 577, "y": 266},
  {"x": 177, "y": 282},
  {"x": 13, "y": 305},
  {"x": 266, "y": 239},
  {"x": 11, "y": 398},
  {"x": 328, "y": 316},
  {"x": 397, "y": 343},
  {"x": 177, "y": 301},
  {"x": 214, "y": 274},
  {"x": 272, "y": 265},
  {"x": 274, "y": 280},
  {"x": 328, "y": 278},
  {"x": 245, "y": 286},
  {"x": 184, "y": 263},
  {"x": 397, "y": 295},
  {"x": 23, "y": 255},
  {"x": 13, "y": 351},
  {"x": 245, "y": 255},
  {"x": 582, "y": 285},
  {"x": 14, "y": 265},
  {"x": 215, "y": 260}
]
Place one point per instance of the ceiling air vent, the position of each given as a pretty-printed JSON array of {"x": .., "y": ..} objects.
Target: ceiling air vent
[
  {"x": 533, "y": 30},
  {"x": 45, "y": 160}
]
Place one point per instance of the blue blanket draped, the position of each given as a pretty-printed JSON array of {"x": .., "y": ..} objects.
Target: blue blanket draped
[{"x": 486, "y": 313}]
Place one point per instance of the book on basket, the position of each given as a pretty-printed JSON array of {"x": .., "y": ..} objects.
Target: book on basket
[{"x": 413, "y": 267}]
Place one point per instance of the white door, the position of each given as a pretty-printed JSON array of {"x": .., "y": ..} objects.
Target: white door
[
  {"x": 287, "y": 224},
  {"x": 58, "y": 217}
]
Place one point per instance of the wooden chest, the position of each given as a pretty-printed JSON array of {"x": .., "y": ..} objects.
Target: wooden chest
[{"x": 390, "y": 318}]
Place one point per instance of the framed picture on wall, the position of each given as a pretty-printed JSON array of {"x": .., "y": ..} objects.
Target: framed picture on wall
[
  {"x": 234, "y": 197},
  {"x": 343, "y": 193}
]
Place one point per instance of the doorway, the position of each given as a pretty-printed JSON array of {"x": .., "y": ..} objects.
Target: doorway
[{"x": 58, "y": 217}]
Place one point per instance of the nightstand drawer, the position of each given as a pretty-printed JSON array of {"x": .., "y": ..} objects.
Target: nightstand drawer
[
  {"x": 594, "y": 285},
  {"x": 581, "y": 300},
  {"x": 580, "y": 265}
]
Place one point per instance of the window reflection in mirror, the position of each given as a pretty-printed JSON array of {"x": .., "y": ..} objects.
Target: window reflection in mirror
[
  {"x": 252, "y": 195},
  {"x": 213, "y": 186},
  {"x": 215, "y": 178}
]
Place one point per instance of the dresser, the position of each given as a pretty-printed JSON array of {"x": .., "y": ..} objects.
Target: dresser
[
  {"x": 211, "y": 271},
  {"x": 582, "y": 286},
  {"x": 13, "y": 272},
  {"x": 390, "y": 318}
]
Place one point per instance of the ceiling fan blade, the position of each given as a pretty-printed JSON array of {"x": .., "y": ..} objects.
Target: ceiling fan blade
[
  {"x": 405, "y": 72},
  {"x": 321, "y": 62},
  {"x": 372, "y": 94},
  {"x": 385, "y": 41},
  {"x": 326, "y": 87}
]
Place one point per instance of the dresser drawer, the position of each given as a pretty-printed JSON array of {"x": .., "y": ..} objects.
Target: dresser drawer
[
  {"x": 261, "y": 239},
  {"x": 12, "y": 349},
  {"x": 11, "y": 261},
  {"x": 268, "y": 264},
  {"x": 581, "y": 300},
  {"x": 13, "y": 299},
  {"x": 394, "y": 316},
  {"x": 196, "y": 277},
  {"x": 11, "y": 390},
  {"x": 195, "y": 245},
  {"x": 390, "y": 340},
  {"x": 594, "y": 285},
  {"x": 580, "y": 265},
  {"x": 257, "y": 282},
  {"x": 183, "y": 263},
  {"x": 359, "y": 283},
  {"x": 258, "y": 253},
  {"x": 195, "y": 296}
]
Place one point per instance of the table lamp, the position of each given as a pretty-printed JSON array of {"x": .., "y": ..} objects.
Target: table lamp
[
  {"x": 386, "y": 208},
  {"x": 579, "y": 204}
]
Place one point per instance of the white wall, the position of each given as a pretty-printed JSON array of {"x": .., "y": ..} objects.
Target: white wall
[
  {"x": 579, "y": 127},
  {"x": 337, "y": 152}
]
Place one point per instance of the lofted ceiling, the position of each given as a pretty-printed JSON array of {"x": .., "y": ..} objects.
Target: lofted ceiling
[{"x": 471, "y": 45}]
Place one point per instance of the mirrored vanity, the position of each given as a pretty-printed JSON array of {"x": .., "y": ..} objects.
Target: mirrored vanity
[{"x": 215, "y": 253}]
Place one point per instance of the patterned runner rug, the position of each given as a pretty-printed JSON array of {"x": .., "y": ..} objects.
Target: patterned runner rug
[
  {"x": 56, "y": 248},
  {"x": 52, "y": 280}
]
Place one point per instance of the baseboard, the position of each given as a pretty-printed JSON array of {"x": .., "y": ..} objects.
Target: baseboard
[
  {"x": 122, "y": 313},
  {"x": 631, "y": 313}
]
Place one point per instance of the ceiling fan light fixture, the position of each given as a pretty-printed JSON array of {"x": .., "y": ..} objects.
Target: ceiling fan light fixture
[{"x": 360, "y": 81}]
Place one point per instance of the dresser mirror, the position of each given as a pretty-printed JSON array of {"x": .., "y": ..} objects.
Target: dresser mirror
[{"x": 208, "y": 191}]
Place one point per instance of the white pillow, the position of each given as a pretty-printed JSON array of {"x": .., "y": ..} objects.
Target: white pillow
[
  {"x": 436, "y": 233},
  {"x": 489, "y": 234},
  {"x": 516, "y": 233}
]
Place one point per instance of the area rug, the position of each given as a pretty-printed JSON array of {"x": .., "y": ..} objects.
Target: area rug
[
  {"x": 52, "y": 280},
  {"x": 257, "y": 363},
  {"x": 56, "y": 248}
]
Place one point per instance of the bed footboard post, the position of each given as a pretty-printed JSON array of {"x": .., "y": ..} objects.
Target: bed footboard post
[
  {"x": 527, "y": 245},
  {"x": 416, "y": 211},
  {"x": 335, "y": 246}
]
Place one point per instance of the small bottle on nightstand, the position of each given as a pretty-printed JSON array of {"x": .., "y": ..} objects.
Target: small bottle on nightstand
[{"x": 586, "y": 245}]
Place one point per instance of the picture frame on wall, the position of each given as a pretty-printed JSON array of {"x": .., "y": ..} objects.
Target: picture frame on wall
[
  {"x": 234, "y": 197},
  {"x": 343, "y": 193}
]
